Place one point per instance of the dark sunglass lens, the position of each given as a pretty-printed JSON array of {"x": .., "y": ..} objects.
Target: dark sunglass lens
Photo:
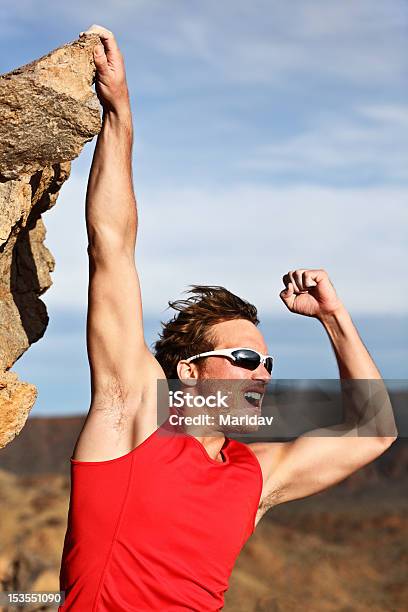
[
  {"x": 246, "y": 359},
  {"x": 269, "y": 364}
]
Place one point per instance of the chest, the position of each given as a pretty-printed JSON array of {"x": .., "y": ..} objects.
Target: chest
[{"x": 214, "y": 504}]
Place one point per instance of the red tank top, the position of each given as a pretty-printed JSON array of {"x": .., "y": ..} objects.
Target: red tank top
[{"x": 159, "y": 528}]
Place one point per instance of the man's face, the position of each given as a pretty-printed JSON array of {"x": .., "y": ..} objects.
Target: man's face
[
  {"x": 230, "y": 334},
  {"x": 245, "y": 387}
]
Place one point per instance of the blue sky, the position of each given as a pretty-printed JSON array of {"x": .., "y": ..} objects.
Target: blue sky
[{"x": 268, "y": 136}]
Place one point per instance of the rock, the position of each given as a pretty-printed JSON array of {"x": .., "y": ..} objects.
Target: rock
[
  {"x": 48, "y": 111},
  {"x": 6, "y": 569},
  {"x": 47, "y": 581},
  {"x": 16, "y": 400}
]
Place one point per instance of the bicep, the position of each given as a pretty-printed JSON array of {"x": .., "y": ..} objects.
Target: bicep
[
  {"x": 310, "y": 464},
  {"x": 120, "y": 362}
]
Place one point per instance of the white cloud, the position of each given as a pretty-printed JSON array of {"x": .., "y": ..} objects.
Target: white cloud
[
  {"x": 275, "y": 42},
  {"x": 389, "y": 114},
  {"x": 269, "y": 41},
  {"x": 371, "y": 144},
  {"x": 246, "y": 238}
]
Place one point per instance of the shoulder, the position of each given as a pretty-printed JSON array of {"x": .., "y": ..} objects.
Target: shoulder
[{"x": 269, "y": 454}]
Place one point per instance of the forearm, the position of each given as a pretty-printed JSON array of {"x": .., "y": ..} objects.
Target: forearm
[
  {"x": 353, "y": 359},
  {"x": 365, "y": 398},
  {"x": 111, "y": 215}
]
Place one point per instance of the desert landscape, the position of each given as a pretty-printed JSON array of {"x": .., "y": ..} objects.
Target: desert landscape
[{"x": 341, "y": 550}]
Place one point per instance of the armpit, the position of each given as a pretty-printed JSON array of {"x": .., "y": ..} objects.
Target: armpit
[
  {"x": 271, "y": 499},
  {"x": 111, "y": 403}
]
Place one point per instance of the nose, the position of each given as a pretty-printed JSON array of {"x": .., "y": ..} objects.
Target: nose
[{"x": 261, "y": 374}]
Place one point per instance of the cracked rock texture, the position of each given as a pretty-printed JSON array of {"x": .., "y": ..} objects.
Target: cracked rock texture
[{"x": 48, "y": 111}]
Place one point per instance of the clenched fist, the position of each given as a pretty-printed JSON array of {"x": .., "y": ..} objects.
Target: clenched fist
[
  {"x": 310, "y": 293},
  {"x": 110, "y": 82}
]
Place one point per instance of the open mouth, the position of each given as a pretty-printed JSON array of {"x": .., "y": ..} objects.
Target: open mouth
[{"x": 254, "y": 398}]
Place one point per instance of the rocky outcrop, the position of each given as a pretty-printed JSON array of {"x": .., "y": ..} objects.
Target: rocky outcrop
[{"x": 48, "y": 111}]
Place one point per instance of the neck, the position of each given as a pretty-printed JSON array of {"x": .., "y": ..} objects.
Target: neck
[{"x": 213, "y": 446}]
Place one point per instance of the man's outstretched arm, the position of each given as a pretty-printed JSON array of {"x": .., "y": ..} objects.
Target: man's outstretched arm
[
  {"x": 323, "y": 457},
  {"x": 123, "y": 371}
]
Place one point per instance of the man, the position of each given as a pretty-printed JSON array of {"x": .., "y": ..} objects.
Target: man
[{"x": 156, "y": 522}]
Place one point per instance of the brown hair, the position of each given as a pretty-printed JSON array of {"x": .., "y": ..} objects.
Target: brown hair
[{"x": 189, "y": 331}]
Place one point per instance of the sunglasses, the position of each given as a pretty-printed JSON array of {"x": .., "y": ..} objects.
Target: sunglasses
[{"x": 241, "y": 357}]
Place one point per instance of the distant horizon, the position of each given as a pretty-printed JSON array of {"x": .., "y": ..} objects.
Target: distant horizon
[
  {"x": 397, "y": 389},
  {"x": 57, "y": 364}
]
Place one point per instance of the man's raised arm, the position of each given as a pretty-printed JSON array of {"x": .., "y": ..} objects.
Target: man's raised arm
[
  {"x": 123, "y": 371},
  {"x": 323, "y": 457}
]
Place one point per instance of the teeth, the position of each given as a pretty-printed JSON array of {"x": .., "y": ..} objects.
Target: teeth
[{"x": 253, "y": 395}]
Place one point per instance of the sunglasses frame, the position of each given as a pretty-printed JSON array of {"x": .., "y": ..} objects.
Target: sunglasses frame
[{"x": 228, "y": 353}]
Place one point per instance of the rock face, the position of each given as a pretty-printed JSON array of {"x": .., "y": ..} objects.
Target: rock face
[{"x": 48, "y": 111}]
